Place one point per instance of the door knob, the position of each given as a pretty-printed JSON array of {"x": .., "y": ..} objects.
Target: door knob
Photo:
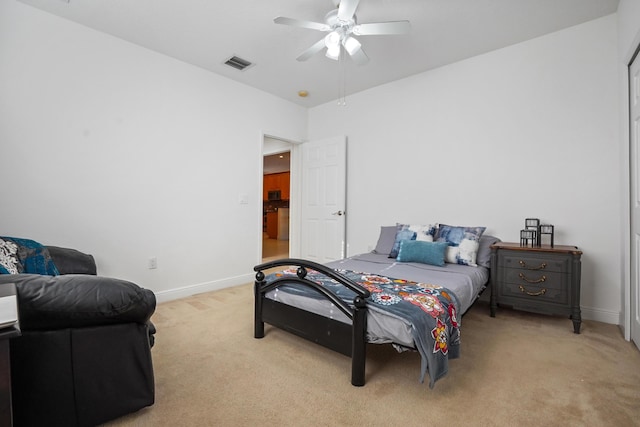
[{"x": 339, "y": 213}]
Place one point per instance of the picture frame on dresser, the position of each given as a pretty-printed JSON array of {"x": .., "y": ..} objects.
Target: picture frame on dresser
[{"x": 543, "y": 279}]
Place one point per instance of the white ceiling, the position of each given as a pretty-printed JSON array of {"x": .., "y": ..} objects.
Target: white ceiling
[
  {"x": 276, "y": 163},
  {"x": 206, "y": 33}
]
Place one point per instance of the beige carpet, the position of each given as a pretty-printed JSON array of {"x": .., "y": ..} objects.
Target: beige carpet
[{"x": 517, "y": 369}]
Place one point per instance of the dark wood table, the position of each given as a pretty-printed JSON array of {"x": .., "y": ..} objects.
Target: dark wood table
[{"x": 6, "y": 333}]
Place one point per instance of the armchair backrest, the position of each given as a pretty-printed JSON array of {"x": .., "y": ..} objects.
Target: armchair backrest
[{"x": 71, "y": 261}]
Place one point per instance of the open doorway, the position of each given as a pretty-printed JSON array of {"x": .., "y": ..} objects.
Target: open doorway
[{"x": 275, "y": 199}]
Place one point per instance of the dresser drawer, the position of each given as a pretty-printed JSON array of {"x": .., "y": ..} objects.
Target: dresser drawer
[
  {"x": 535, "y": 293},
  {"x": 536, "y": 263},
  {"x": 543, "y": 279}
]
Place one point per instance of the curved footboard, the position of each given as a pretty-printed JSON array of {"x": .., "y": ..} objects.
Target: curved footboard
[{"x": 335, "y": 335}]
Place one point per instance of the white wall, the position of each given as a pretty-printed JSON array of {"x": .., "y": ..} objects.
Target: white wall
[
  {"x": 127, "y": 154},
  {"x": 531, "y": 130},
  {"x": 275, "y": 146}
]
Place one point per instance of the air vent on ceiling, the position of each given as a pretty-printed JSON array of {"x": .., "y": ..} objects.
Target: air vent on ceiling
[{"x": 238, "y": 63}]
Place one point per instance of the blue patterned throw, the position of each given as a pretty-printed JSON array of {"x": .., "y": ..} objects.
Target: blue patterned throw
[{"x": 25, "y": 256}]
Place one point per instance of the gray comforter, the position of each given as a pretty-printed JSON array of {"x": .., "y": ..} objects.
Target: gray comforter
[{"x": 465, "y": 282}]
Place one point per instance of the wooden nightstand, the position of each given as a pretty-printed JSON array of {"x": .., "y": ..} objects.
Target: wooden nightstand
[{"x": 540, "y": 279}]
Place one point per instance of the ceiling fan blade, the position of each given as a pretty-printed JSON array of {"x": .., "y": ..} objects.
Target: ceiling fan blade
[
  {"x": 317, "y": 47},
  {"x": 302, "y": 24},
  {"x": 347, "y": 9},
  {"x": 359, "y": 57},
  {"x": 375, "y": 28}
]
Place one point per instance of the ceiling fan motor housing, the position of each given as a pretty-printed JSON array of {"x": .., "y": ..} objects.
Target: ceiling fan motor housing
[{"x": 331, "y": 19}]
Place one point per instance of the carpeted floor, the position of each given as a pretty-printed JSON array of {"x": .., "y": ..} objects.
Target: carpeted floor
[{"x": 518, "y": 369}]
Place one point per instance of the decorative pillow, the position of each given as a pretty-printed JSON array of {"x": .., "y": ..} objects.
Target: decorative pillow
[
  {"x": 464, "y": 243},
  {"x": 424, "y": 252},
  {"x": 386, "y": 240},
  {"x": 422, "y": 233}
]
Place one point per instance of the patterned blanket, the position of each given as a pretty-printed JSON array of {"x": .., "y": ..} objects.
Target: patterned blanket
[
  {"x": 432, "y": 311},
  {"x": 25, "y": 256}
]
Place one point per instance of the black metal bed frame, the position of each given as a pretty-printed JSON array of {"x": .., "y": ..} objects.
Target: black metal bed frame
[{"x": 348, "y": 339}]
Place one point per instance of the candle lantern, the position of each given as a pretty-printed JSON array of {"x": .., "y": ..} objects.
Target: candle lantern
[
  {"x": 546, "y": 230},
  {"x": 528, "y": 237},
  {"x": 533, "y": 224}
]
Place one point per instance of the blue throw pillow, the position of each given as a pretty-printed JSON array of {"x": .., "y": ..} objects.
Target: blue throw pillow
[{"x": 424, "y": 252}]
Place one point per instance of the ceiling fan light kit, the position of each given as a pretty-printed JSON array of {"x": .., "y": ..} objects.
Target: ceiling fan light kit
[
  {"x": 341, "y": 23},
  {"x": 351, "y": 45},
  {"x": 332, "y": 40},
  {"x": 333, "y": 53}
]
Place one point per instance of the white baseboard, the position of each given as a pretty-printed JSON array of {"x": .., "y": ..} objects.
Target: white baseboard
[
  {"x": 187, "y": 291},
  {"x": 588, "y": 313},
  {"x": 604, "y": 316}
]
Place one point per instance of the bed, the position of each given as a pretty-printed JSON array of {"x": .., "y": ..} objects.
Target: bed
[{"x": 410, "y": 292}]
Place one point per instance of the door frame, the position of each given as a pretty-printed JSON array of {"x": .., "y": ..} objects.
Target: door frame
[
  {"x": 630, "y": 307},
  {"x": 625, "y": 60}
]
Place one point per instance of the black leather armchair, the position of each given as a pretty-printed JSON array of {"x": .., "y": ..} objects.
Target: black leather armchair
[{"x": 84, "y": 356}]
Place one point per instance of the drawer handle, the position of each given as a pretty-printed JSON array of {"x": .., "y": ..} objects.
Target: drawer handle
[
  {"x": 540, "y": 267},
  {"x": 532, "y": 294},
  {"x": 540, "y": 280}
]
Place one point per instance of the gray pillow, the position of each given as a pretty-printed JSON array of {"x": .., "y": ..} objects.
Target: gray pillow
[
  {"x": 483, "y": 258},
  {"x": 386, "y": 240}
]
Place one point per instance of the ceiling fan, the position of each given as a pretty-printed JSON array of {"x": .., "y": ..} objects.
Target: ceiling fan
[{"x": 342, "y": 25}]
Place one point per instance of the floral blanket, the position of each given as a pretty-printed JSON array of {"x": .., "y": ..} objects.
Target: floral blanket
[{"x": 432, "y": 311}]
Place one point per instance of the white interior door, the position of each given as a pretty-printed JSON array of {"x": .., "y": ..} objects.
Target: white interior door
[
  {"x": 323, "y": 200},
  {"x": 634, "y": 132}
]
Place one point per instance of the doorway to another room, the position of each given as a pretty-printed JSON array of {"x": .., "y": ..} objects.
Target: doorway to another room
[{"x": 275, "y": 205}]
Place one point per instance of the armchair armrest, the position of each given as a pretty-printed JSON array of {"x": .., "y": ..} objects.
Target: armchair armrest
[{"x": 72, "y": 301}]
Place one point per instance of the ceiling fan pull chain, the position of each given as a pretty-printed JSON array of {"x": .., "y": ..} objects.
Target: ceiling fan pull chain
[
  {"x": 344, "y": 79},
  {"x": 342, "y": 86}
]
